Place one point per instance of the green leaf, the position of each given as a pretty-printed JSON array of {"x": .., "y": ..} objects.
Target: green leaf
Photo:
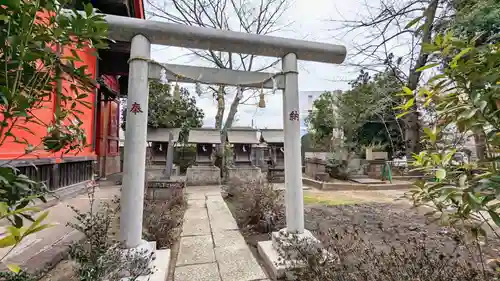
[
  {"x": 14, "y": 268},
  {"x": 89, "y": 9},
  {"x": 495, "y": 217},
  {"x": 460, "y": 55},
  {"x": 408, "y": 91},
  {"x": 409, "y": 103},
  {"x": 429, "y": 48},
  {"x": 482, "y": 105},
  {"x": 16, "y": 232},
  {"x": 413, "y": 22},
  {"x": 13, "y": 4},
  {"x": 467, "y": 114},
  {"x": 420, "y": 69},
  {"x": 431, "y": 134},
  {"x": 39, "y": 228},
  {"x": 440, "y": 174},
  {"x": 402, "y": 114},
  {"x": 473, "y": 200},
  {"x": 438, "y": 39},
  {"x": 38, "y": 220},
  {"x": 436, "y": 77},
  {"x": 7, "y": 241}
]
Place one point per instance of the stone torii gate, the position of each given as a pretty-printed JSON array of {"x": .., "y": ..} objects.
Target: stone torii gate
[{"x": 143, "y": 33}]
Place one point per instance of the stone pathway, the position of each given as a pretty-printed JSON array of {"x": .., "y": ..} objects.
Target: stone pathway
[{"x": 211, "y": 246}]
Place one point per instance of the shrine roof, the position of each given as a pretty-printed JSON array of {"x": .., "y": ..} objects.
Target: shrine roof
[
  {"x": 242, "y": 135},
  {"x": 272, "y": 135},
  {"x": 161, "y": 134},
  {"x": 204, "y": 135}
]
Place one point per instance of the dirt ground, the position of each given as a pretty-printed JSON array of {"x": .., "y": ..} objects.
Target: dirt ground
[{"x": 379, "y": 214}]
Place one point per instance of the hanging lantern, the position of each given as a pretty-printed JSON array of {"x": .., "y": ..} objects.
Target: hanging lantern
[{"x": 262, "y": 101}]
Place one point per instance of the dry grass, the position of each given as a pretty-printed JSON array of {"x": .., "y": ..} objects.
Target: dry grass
[{"x": 320, "y": 199}]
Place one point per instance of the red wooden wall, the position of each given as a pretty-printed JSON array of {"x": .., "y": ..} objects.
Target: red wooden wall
[
  {"x": 110, "y": 145},
  {"x": 11, "y": 149}
]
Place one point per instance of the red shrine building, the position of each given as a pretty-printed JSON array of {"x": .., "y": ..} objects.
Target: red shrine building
[{"x": 69, "y": 172}]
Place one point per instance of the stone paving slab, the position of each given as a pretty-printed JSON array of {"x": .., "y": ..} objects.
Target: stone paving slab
[
  {"x": 195, "y": 196},
  {"x": 215, "y": 197},
  {"x": 195, "y": 227},
  {"x": 229, "y": 238},
  {"x": 222, "y": 222},
  {"x": 196, "y": 203},
  {"x": 238, "y": 264},
  {"x": 197, "y": 272},
  {"x": 220, "y": 216},
  {"x": 195, "y": 250},
  {"x": 196, "y": 213},
  {"x": 205, "y": 190}
]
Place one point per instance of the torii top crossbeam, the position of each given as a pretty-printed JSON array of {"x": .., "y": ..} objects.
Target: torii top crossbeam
[{"x": 124, "y": 29}]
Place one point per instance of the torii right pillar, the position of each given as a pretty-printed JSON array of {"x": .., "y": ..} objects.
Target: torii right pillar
[
  {"x": 293, "y": 166},
  {"x": 271, "y": 251}
]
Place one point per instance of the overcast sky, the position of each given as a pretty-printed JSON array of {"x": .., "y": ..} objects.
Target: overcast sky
[{"x": 310, "y": 22}]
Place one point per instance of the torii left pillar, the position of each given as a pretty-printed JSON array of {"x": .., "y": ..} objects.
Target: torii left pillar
[{"x": 134, "y": 166}]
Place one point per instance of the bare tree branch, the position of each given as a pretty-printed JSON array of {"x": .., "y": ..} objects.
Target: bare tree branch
[
  {"x": 393, "y": 33},
  {"x": 250, "y": 16}
]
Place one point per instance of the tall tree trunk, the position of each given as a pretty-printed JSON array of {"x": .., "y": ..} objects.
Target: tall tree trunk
[
  {"x": 221, "y": 100},
  {"x": 233, "y": 109},
  {"x": 219, "y": 117},
  {"x": 413, "y": 123}
]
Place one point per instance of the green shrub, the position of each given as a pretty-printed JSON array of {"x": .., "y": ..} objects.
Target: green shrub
[{"x": 20, "y": 276}]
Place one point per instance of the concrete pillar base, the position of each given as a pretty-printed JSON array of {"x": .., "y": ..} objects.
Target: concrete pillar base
[
  {"x": 271, "y": 252},
  {"x": 159, "y": 263}
]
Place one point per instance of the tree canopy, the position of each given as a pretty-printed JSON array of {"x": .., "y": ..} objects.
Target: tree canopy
[
  {"x": 321, "y": 121},
  {"x": 364, "y": 114}
]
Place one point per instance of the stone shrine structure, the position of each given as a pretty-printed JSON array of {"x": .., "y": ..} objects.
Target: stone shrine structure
[
  {"x": 204, "y": 172},
  {"x": 275, "y": 140},
  {"x": 161, "y": 143},
  {"x": 242, "y": 169}
]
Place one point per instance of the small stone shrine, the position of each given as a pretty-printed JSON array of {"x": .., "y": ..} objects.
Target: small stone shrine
[
  {"x": 203, "y": 172},
  {"x": 162, "y": 175},
  {"x": 161, "y": 151},
  {"x": 275, "y": 140},
  {"x": 242, "y": 169}
]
